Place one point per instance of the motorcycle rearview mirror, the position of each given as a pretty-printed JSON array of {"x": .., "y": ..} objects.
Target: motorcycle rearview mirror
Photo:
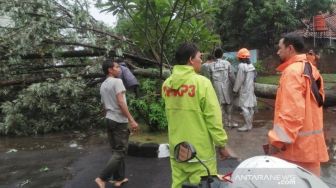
[{"x": 184, "y": 152}]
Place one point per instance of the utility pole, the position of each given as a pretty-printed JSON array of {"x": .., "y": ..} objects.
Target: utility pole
[{"x": 314, "y": 29}]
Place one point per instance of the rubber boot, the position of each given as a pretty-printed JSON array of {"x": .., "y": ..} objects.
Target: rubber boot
[
  {"x": 231, "y": 123},
  {"x": 243, "y": 128},
  {"x": 226, "y": 123},
  {"x": 248, "y": 121},
  {"x": 250, "y": 125}
]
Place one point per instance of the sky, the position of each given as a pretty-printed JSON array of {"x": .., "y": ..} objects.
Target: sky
[{"x": 107, "y": 18}]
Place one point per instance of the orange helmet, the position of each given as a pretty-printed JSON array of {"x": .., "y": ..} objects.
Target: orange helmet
[{"x": 243, "y": 53}]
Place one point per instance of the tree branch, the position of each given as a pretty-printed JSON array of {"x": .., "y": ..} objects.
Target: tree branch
[
  {"x": 86, "y": 53},
  {"x": 143, "y": 31}
]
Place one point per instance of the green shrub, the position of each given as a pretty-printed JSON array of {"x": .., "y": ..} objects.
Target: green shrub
[
  {"x": 51, "y": 106},
  {"x": 260, "y": 67},
  {"x": 150, "y": 106},
  {"x": 69, "y": 104}
]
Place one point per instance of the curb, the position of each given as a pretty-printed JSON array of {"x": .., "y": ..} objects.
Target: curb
[{"x": 148, "y": 150}]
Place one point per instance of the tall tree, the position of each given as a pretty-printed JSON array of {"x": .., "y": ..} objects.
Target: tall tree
[
  {"x": 253, "y": 24},
  {"x": 158, "y": 26},
  {"x": 258, "y": 23},
  {"x": 310, "y": 8}
]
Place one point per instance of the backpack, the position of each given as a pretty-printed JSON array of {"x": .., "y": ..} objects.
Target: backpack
[{"x": 315, "y": 84}]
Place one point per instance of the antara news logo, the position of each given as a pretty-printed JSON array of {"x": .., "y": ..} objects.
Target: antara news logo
[
  {"x": 227, "y": 177},
  {"x": 277, "y": 179}
]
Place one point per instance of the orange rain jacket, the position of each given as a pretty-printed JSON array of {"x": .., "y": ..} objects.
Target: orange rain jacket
[{"x": 298, "y": 120}]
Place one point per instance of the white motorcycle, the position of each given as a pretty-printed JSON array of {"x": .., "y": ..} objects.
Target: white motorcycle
[{"x": 256, "y": 172}]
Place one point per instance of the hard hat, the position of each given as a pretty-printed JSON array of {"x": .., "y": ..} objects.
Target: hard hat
[
  {"x": 243, "y": 53},
  {"x": 268, "y": 171}
]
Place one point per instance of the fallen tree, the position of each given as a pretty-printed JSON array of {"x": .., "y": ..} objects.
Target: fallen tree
[
  {"x": 261, "y": 90},
  {"x": 269, "y": 91}
]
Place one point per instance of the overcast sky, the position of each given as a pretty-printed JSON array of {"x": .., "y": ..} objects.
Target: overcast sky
[{"x": 107, "y": 18}]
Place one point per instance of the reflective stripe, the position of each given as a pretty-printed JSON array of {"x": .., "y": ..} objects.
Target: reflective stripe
[
  {"x": 307, "y": 133},
  {"x": 280, "y": 132}
]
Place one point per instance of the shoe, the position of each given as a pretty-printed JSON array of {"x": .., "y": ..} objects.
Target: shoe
[
  {"x": 119, "y": 183},
  {"x": 244, "y": 128},
  {"x": 233, "y": 125}
]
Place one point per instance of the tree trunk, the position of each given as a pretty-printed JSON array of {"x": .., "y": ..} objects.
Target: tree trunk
[
  {"x": 265, "y": 90},
  {"x": 261, "y": 90},
  {"x": 269, "y": 91}
]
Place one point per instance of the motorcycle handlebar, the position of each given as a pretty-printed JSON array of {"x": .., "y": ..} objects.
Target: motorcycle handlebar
[{"x": 203, "y": 184}]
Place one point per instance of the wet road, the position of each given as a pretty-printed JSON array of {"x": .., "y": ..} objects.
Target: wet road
[
  {"x": 142, "y": 172},
  {"x": 75, "y": 159},
  {"x": 73, "y": 168}
]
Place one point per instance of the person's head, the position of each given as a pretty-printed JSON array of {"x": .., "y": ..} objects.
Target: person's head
[
  {"x": 290, "y": 45},
  {"x": 218, "y": 53},
  {"x": 210, "y": 57},
  {"x": 118, "y": 60},
  {"x": 189, "y": 54},
  {"x": 243, "y": 55},
  {"x": 311, "y": 52},
  {"x": 111, "y": 68},
  {"x": 312, "y": 57}
]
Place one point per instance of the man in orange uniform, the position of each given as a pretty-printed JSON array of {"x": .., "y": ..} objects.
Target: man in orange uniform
[{"x": 297, "y": 134}]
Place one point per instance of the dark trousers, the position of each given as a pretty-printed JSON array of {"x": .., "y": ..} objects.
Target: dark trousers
[
  {"x": 118, "y": 134},
  {"x": 135, "y": 90}
]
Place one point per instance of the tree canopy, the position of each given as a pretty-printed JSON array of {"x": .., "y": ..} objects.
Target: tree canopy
[
  {"x": 158, "y": 26},
  {"x": 258, "y": 24}
]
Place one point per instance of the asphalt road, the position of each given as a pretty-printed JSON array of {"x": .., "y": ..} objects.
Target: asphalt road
[
  {"x": 75, "y": 160},
  {"x": 142, "y": 172}
]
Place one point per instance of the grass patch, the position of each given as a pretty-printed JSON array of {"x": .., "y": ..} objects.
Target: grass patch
[
  {"x": 329, "y": 80},
  {"x": 145, "y": 136},
  {"x": 274, "y": 79}
]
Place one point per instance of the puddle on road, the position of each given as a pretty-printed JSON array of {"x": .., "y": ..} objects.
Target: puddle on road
[
  {"x": 50, "y": 141},
  {"x": 43, "y": 161}
]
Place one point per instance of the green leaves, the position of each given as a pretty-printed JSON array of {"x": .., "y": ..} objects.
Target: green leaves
[
  {"x": 150, "y": 106},
  {"x": 42, "y": 27},
  {"x": 158, "y": 26},
  {"x": 309, "y": 8},
  {"x": 258, "y": 24},
  {"x": 44, "y": 169},
  {"x": 51, "y": 106},
  {"x": 254, "y": 24}
]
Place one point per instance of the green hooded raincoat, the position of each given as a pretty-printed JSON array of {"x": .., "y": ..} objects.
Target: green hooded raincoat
[{"x": 193, "y": 113}]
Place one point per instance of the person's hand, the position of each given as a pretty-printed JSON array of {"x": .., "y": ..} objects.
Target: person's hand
[
  {"x": 225, "y": 153},
  {"x": 273, "y": 150},
  {"x": 134, "y": 126}
]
